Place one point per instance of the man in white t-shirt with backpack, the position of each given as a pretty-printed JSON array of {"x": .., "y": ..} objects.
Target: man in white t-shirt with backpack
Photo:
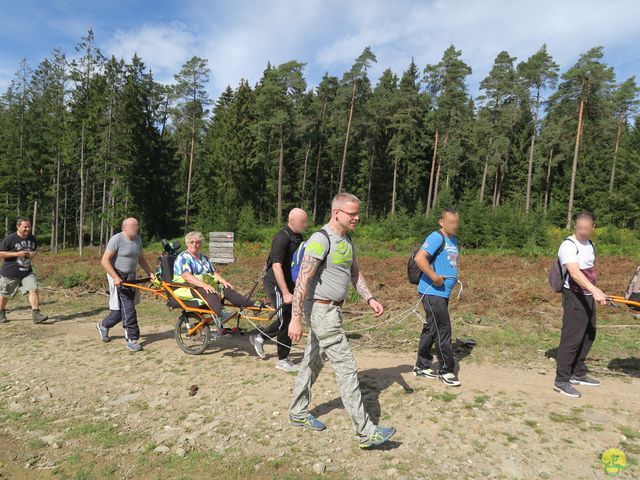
[{"x": 577, "y": 258}]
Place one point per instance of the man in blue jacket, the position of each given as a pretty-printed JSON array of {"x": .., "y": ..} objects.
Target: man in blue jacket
[{"x": 438, "y": 260}]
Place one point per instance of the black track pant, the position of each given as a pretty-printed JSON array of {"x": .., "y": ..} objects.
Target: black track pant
[
  {"x": 215, "y": 302},
  {"x": 437, "y": 330},
  {"x": 279, "y": 328},
  {"x": 127, "y": 314},
  {"x": 577, "y": 335}
]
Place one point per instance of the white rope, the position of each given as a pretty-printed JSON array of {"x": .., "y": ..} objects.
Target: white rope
[{"x": 396, "y": 318}]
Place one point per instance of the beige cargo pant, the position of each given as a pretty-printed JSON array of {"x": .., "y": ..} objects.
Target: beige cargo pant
[{"x": 327, "y": 334}]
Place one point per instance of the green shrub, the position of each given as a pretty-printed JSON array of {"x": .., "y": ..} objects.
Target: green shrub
[{"x": 75, "y": 279}]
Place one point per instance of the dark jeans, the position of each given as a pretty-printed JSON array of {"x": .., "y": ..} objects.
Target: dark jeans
[
  {"x": 127, "y": 314},
  {"x": 215, "y": 302},
  {"x": 279, "y": 328},
  {"x": 436, "y": 330},
  {"x": 577, "y": 335}
]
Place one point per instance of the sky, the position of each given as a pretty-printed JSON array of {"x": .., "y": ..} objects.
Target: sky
[{"x": 238, "y": 38}]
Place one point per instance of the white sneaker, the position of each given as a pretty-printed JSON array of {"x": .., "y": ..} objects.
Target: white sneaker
[
  {"x": 257, "y": 341},
  {"x": 287, "y": 365}
]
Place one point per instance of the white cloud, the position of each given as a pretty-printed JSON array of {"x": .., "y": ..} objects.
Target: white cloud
[
  {"x": 163, "y": 47},
  {"x": 238, "y": 39}
]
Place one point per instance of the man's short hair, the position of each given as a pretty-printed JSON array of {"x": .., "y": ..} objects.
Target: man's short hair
[
  {"x": 21, "y": 220},
  {"x": 584, "y": 215},
  {"x": 341, "y": 198},
  {"x": 446, "y": 210}
]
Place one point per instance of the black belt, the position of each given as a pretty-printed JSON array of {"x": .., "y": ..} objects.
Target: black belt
[{"x": 329, "y": 302}]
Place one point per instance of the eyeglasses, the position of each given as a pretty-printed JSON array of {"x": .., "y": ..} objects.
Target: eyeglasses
[
  {"x": 194, "y": 242},
  {"x": 351, "y": 214}
]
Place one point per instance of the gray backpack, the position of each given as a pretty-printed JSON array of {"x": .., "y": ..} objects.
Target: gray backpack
[{"x": 556, "y": 276}]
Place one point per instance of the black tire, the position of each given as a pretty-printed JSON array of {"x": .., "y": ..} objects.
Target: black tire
[{"x": 192, "y": 344}]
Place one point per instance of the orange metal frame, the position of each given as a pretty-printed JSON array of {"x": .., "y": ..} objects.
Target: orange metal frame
[
  {"x": 167, "y": 289},
  {"x": 619, "y": 299}
]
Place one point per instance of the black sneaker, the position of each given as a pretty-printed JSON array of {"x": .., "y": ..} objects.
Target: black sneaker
[
  {"x": 565, "y": 388},
  {"x": 425, "y": 372},
  {"x": 38, "y": 317},
  {"x": 585, "y": 380},
  {"x": 3, "y": 316}
]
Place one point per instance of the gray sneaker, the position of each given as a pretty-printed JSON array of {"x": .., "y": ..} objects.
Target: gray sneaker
[
  {"x": 286, "y": 365},
  {"x": 38, "y": 317},
  {"x": 134, "y": 346},
  {"x": 565, "y": 388},
  {"x": 585, "y": 380},
  {"x": 103, "y": 332},
  {"x": 257, "y": 342},
  {"x": 3, "y": 316}
]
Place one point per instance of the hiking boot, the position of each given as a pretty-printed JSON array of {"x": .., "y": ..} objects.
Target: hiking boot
[
  {"x": 425, "y": 372},
  {"x": 379, "y": 436},
  {"x": 38, "y": 317},
  {"x": 286, "y": 365},
  {"x": 450, "y": 379},
  {"x": 257, "y": 341},
  {"x": 134, "y": 346},
  {"x": 585, "y": 380},
  {"x": 308, "y": 423},
  {"x": 565, "y": 388},
  {"x": 103, "y": 332},
  {"x": 3, "y": 316}
]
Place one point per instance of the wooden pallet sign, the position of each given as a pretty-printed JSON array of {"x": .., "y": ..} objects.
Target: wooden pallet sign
[{"x": 221, "y": 247}]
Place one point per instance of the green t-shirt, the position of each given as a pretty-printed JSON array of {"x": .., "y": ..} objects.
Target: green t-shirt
[{"x": 331, "y": 281}]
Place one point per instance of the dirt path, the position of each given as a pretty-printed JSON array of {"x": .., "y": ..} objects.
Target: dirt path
[{"x": 72, "y": 407}]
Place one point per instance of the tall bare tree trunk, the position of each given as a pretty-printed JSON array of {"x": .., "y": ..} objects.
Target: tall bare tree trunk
[
  {"x": 304, "y": 173},
  {"x": 191, "y": 154},
  {"x": 436, "y": 184},
  {"x": 56, "y": 216},
  {"x": 574, "y": 168},
  {"x": 64, "y": 216},
  {"x": 316, "y": 185},
  {"x": 485, "y": 171},
  {"x": 346, "y": 138},
  {"x": 81, "y": 219},
  {"x": 6, "y": 216},
  {"x": 433, "y": 169},
  {"x": 395, "y": 182},
  {"x": 547, "y": 190},
  {"x": 112, "y": 204},
  {"x": 93, "y": 210},
  {"x": 495, "y": 191},
  {"x": 503, "y": 170},
  {"x": 34, "y": 221},
  {"x": 103, "y": 210},
  {"x": 615, "y": 156},
  {"x": 531, "y": 151},
  {"x": 280, "y": 175},
  {"x": 370, "y": 182}
]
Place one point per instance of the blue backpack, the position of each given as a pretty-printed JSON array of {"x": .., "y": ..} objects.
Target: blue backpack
[{"x": 296, "y": 261}]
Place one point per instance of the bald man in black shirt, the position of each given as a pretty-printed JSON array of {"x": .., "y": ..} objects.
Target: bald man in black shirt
[{"x": 279, "y": 286}]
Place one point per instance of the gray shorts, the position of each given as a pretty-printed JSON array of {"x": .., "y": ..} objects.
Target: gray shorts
[{"x": 10, "y": 286}]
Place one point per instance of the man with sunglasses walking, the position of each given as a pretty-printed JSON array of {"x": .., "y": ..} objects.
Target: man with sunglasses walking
[{"x": 328, "y": 266}]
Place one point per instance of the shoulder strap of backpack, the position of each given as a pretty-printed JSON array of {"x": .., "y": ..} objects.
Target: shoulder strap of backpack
[
  {"x": 441, "y": 247},
  {"x": 326, "y": 234}
]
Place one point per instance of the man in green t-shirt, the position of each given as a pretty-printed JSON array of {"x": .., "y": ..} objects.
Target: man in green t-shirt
[{"x": 328, "y": 267}]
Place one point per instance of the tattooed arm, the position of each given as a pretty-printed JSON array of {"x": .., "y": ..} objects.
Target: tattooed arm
[
  {"x": 308, "y": 268},
  {"x": 363, "y": 289}
]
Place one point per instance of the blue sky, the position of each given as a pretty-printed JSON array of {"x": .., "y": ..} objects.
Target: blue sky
[{"x": 238, "y": 38}]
